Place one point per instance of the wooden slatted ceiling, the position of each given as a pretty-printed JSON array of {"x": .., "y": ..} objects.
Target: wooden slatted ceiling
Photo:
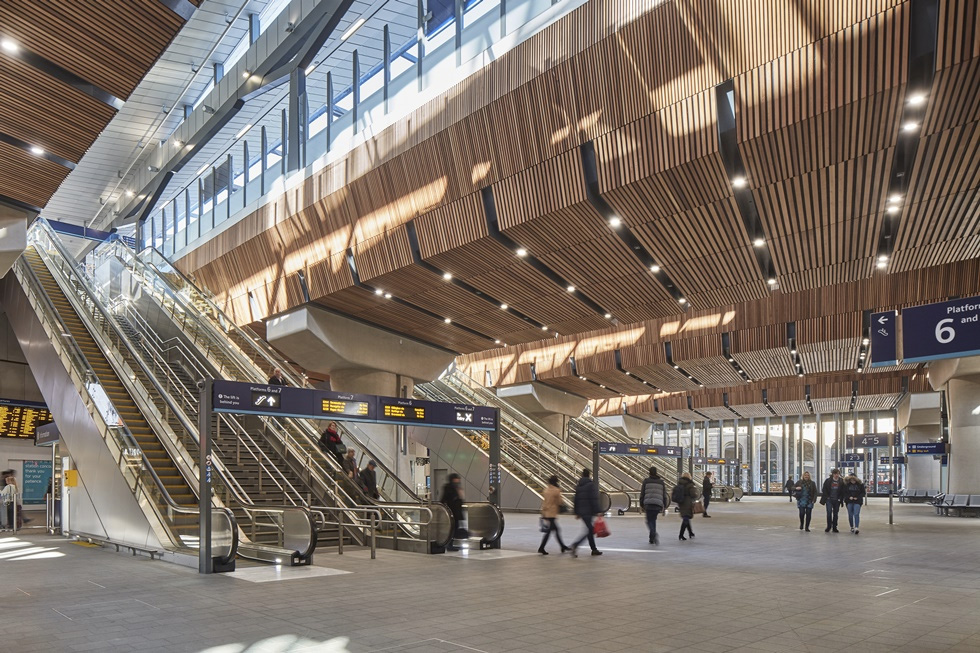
[
  {"x": 581, "y": 388},
  {"x": 39, "y": 110},
  {"x": 752, "y": 410},
  {"x": 27, "y": 178},
  {"x": 832, "y": 405},
  {"x": 662, "y": 376},
  {"x": 110, "y": 43}
]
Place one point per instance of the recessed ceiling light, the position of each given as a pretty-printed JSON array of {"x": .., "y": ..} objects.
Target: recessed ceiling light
[
  {"x": 654, "y": 268},
  {"x": 521, "y": 252},
  {"x": 608, "y": 316},
  {"x": 602, "y": 386},
  {"x": 178, "y": 142},
  {"x": 793, "y": 351},
  {"x": 503, "y": 307},
  {"x": 615, "y": 222},
  {"x": 378, "y": 291},
  {"x": 447, "y": 276},
  {"x": 882, "y": 265},
  {"x": 771, "y": 281},
  {"x": 626, "y": 372},
  {"x": 544, "y": 327},
  {"x": 677, "y": 367},
  {"x": 895, "y": 199},
  {"x": 892, "y": 209},
  {"x": 129, "y": 193},
  {"x": 758, "y": 242},
  {"x": 800, "y": 374},
  {"x": 917, "y": 100},
  {"x": 9, "y": 46},
  {"x": 681, "y": 301},
  {"x": 447, "y": 320},
  {"x": 496, "y": 342},
  {"x": 570, "y": 289},
  {"x": 883, "y": 258},
  {"x": 910, "y": 126},
  {"x": 245, "y": 74},
  {"x": 37, "y": 151},
  {"x": 387, "y": 295},
  {"x": 864, "y": 341},
  {"x": 739, "y": 182}
]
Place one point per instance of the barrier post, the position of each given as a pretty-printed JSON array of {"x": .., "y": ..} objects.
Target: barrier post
[
  {"x": 205, "y": 564},
  {"x": 494, "y": 453}
]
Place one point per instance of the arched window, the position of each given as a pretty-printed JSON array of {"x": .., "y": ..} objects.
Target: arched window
[
  {"x": 809, "y": 451},
  {"x": 730, "y": 451}
]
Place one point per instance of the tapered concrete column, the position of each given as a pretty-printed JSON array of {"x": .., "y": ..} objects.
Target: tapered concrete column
[
  {"x": 923, "y": 472},
  {"x": 633, "y": 428},
  {"x": 13, "y": 235},
  {"x": 964, "y": 435},
  {"x": 549, "y": 407}
]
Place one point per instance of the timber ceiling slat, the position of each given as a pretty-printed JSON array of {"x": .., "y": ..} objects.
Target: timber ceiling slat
[
  {"x": 27, "y": 178},
  {"x": 752, "y": 410},
  {"x": 959, "y": 29},
  {"x": 41, "y": 111},
  {"x": 110, "y": 43}
]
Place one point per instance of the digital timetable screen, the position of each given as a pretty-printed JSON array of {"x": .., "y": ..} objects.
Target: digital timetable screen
[
  {"x": 404, "y": 412},
  {"x": 20, "y": 421},
  {"x": 344, "y": 407}
]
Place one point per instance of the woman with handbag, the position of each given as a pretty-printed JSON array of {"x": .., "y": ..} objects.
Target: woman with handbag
[
  {"x": 687, "y": 496},
  {"x": 551, "y": 507}
]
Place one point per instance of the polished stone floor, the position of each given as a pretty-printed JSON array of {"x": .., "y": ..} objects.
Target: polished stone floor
[{"x": 750, "y": 581}]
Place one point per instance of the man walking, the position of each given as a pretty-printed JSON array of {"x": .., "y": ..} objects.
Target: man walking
[
  {"x": 788, "y": 487},
  {"x": 653, "y": 498},
  {"x": 706, "y": 487},
  {"x": 586, "y": 508},
  {"x": 832, "y": 496}
]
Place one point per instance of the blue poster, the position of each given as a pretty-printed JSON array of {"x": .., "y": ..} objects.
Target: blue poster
[{"x": 37, "y": 473}]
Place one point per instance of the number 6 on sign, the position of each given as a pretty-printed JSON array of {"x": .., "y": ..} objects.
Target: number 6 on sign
[{"x": 944, "y": 332}]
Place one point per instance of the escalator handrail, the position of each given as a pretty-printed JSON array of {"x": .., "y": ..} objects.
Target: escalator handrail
[
  {"x": 245, "y": 502},
  {"x": 242, "y": 361},
  {"x": 89, "y": 371}
]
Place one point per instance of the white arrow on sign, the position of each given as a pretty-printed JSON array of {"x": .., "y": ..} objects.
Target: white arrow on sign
[{"x": 882, "y": 320}]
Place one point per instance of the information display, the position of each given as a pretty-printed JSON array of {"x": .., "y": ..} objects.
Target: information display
[
  {"x": 884, "y": 338},
  {"x": 698, "y": 460},
  {"x": 21, "y": 420},
  {"x": 631, "y": 449},
  {"x": 925, "y": 448},
  {"x": 37, "y": 473},
  {"x": 259, "y": 399},
  {"x": 888, "y": 460},
  {"x": 854, "y": 457},
  {"x": 870, "y": 440},
  {"x": 944, "y": 330}
]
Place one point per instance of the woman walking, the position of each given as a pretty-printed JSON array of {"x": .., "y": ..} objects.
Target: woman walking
[
  {"x": 854, "y": 493},
  {"x": 806, "y": 497},
  {"x": 688, "y": 495},
  {"x": 550, "y": 508}
]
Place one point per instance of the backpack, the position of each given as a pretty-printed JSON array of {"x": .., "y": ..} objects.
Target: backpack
[{"x": 678, "y": 494}]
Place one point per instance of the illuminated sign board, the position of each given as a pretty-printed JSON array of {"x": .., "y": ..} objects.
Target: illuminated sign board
[
  {"x": 21, "y": 419},
  {"x": 632, "y": 449}
]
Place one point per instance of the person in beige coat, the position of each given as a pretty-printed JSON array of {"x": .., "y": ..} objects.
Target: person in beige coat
[{"x": 550, "y": 508}]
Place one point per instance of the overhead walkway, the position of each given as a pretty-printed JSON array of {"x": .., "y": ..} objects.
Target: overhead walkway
[{"x": 274, "y": 459}]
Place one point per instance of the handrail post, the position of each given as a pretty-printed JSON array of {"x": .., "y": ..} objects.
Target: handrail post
[
  {"x": 375, "y": 523},
  {"x": 340, "y": 532}
]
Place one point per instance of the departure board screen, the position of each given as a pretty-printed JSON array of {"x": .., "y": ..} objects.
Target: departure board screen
[
  {"x": 342, "y": 407},
  {"x": 414, "y": 413},
  {"x": 20, "y": 421}
]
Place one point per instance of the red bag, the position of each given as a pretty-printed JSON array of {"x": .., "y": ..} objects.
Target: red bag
[{"x": 600, "y": 528}]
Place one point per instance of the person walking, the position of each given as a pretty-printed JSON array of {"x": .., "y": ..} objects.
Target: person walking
[
  {"x": 550, "y": 508},
  {"x": 369, "y": 480},
  {"x": 706, "y": 487},
  {"x": 452, "y": 496},
  {"x": 805, "y": 493},
  {"x": 789, "y": 486},
  {"x": 586, "y": 508},
  {"x": 854, "y": 493},
  {"x": 832, "y": 496},
  {"x": 684, "y": 495},
  {"x": 276, "y": 378},
  {"x": 653, "y": 498}
]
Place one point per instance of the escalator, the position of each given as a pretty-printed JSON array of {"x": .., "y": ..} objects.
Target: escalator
[
  {"x": 208, "y": 348},
  {"x": 130, "y": 395}
]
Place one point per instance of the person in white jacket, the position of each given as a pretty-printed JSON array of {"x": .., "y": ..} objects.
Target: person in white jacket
[{"x": 8, "y": 494}]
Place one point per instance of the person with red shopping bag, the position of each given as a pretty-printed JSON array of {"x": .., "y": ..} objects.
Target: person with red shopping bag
[{"x": 586, "y": 508}]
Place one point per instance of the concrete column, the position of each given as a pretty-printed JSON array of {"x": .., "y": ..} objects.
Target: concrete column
[
  {"x": 922, "y": 472},
  {"x": 964, "y": 434}
]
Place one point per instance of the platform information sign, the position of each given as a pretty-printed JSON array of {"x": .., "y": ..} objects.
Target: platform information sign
[
  {"x": 884, "y": 338},
  {"x": 699, "y": 460},
  {"x": 19, "y": 419},
  {"x": 944, "y": 330},
  {"x": 925, "y": 448},
  {"x": 854, "y": 457},
  {"x": 870, "y": 440},
  {"x": 632, "y": 449},
  {"x": 847, "y": 463},
  {"x": 260, "y": 399},
  {"x": 888, "y": 460}
]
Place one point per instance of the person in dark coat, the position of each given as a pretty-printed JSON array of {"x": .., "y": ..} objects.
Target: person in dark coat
[
  {"x": 832, "y": 496},
  {"x": 686, "y": 506},
  {"x": 654, "y": 499},
  {"x": 369, "y": 480},
  {"x": 854, "y": 494},
  {"x": 805, "y": 492},
  {"x": 788, "y": 487},
  {"x": 452, "y": 496},
  {"x": 586, "y": 508},
  {"x": 330, "y": 442},
  {"x": 276, "y": 378},
  {"x": 706, "y": 488}
]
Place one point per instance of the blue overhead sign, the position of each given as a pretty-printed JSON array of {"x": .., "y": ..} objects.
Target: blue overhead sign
[
  {"x": 854, "y": 457},
  {"x": 888, "y": 460},
  {"x": 846, "y": 463},
  {"x": 884, "y": 338},
  {"x": 925, "y": 448},
  {"x": 870, "y": 440},
  {"x": 944, "y": 330},
  {"x": 630, "y": 449}
]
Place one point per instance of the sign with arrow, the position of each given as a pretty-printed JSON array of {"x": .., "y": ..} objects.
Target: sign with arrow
[{"x": 884, "y": 338}]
